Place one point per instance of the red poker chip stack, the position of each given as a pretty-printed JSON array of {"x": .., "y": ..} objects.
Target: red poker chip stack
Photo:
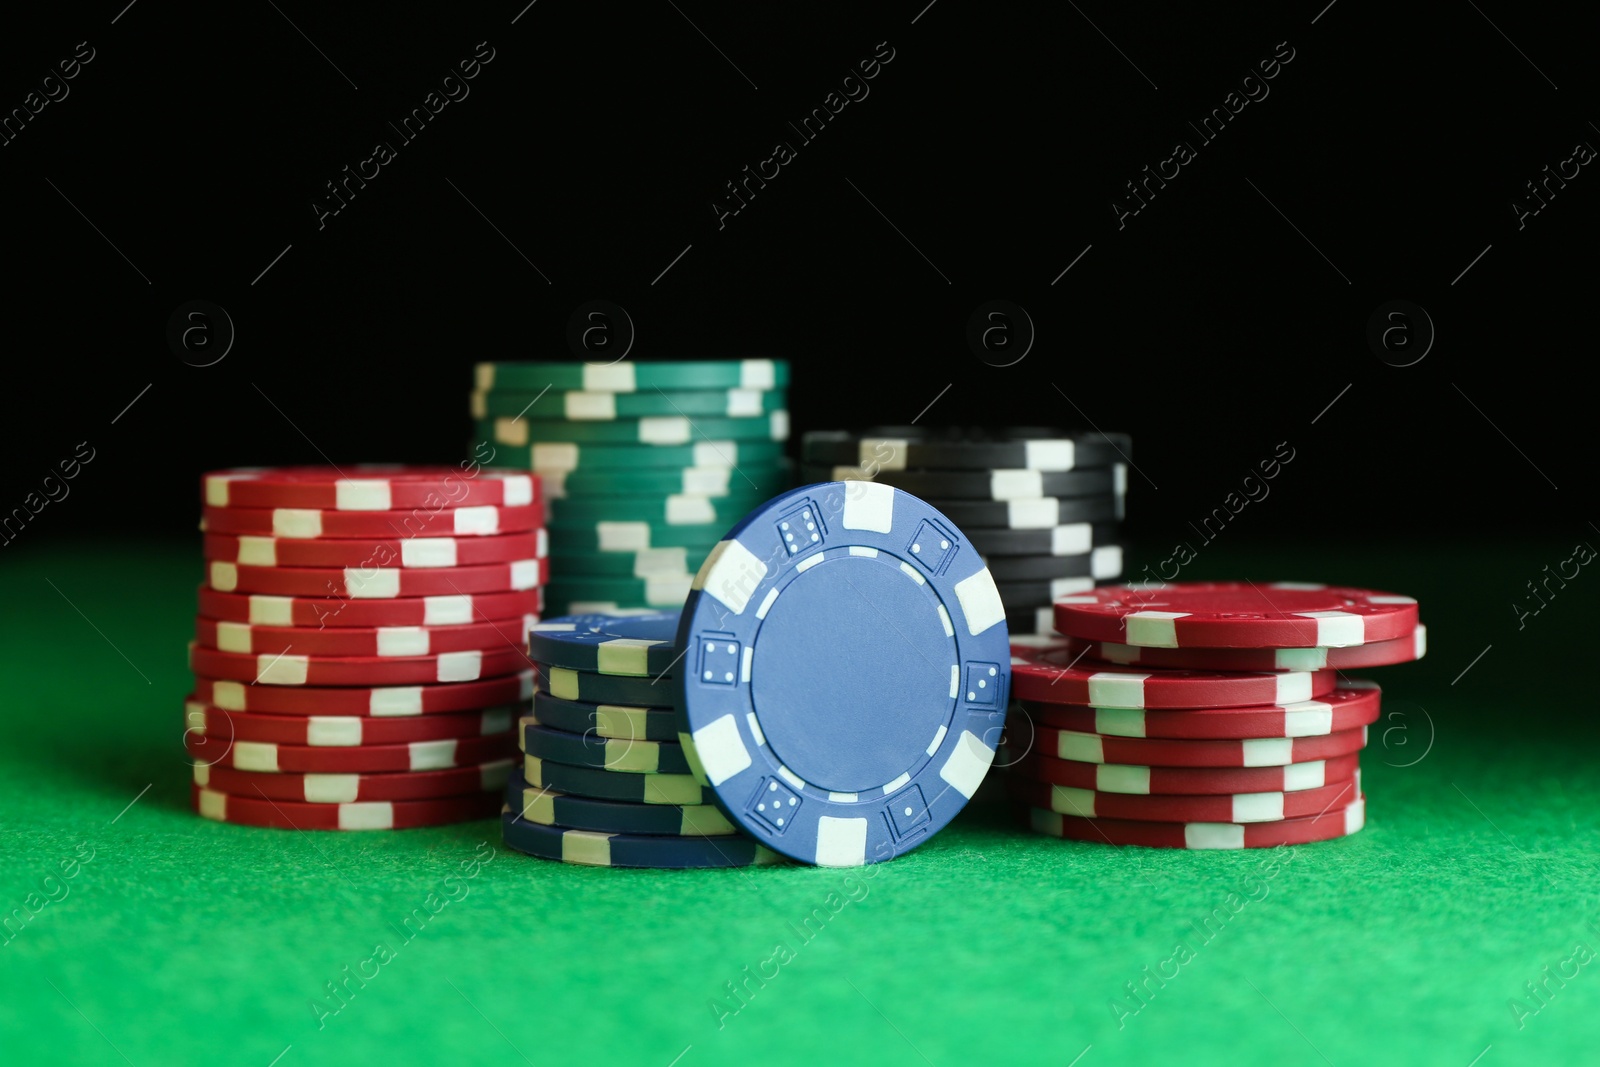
[
  {"x": 1202, "y": 715},
  {"x": 360, "y": 652}
]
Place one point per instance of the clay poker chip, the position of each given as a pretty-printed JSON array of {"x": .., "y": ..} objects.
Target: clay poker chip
[
  {"x": 1334, "y": 823},
  {"x": 365, "y": 488},
  {"x": 1351, "y": 657},
  {"x": 1046, "y": 672},
  {"x": 1236, "y": 615},
  {"x": 1133, "y": 778},
  {"x": 1354, "y": 703}
]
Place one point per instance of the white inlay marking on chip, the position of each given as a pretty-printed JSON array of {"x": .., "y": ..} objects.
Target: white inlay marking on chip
[
  {"x": 841, "y": 842},
  {"x": 1307, "y": 718},
  {"x": 980, "y": 602},
  {"x": 969, "y": 761},
  {"x": 1337, "y": 629},
  {"x": 721, "y": 749},
  {"x": 868, "y": 506},
  {"x": 453, "y": 610},
  {"x": 731, "y": 574},
  {"x": 1213, "y": 835},
  {"x": 1149, "y": 629}
]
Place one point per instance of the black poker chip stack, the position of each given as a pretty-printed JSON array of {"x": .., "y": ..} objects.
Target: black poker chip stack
[{"x": 1044, "y": 506}]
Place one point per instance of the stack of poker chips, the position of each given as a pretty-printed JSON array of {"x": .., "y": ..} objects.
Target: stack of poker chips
[
  {"x": 644, "y": 465},
  {"x": 1042, "y": 505},
  {"x": 605, "y": 781},
  {"x": 360, "y": 651},
  {"x": 1203, "y": 715}
]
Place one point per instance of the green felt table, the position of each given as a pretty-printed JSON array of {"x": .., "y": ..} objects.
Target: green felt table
[{"x": 181, "y": 941}]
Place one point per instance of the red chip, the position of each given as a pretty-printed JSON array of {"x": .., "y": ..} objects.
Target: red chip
[{"x": 1236, "y": 615}]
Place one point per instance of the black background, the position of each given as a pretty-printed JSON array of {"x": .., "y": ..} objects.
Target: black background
[{"x": 1220, "y": 321}]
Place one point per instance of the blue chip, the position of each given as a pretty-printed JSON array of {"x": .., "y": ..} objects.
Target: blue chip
[
  {"x": 846, "y": 667},
  {"x": 637, "y": 644},
  {"x": 594, "y": 849}
]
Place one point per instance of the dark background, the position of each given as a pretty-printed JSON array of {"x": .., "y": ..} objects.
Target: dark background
[{"x": 1220, "y": 321}]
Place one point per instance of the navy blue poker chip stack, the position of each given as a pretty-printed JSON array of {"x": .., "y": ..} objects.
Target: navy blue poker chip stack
[{"x": 832, "y": 692}]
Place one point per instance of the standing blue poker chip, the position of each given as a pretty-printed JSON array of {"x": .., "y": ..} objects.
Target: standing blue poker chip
[{"x": 845, "y": 673}]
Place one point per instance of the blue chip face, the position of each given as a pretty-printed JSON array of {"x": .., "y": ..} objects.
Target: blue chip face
[
  {"x": 637, "y": 644},
  {"x": 846, "y": 667}
]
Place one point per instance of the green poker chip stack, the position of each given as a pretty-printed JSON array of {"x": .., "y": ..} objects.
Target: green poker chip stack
[{"x": 644, "y": 465}]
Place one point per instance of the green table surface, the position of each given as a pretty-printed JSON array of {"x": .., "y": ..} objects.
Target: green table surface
[{"x": 180, "y": 941}]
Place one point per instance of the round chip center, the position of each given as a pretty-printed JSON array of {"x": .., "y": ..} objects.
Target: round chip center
[{"x": 851, "y": 674}]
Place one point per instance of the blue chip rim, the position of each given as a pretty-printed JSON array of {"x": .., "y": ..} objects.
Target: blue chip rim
[
  {"x": 592, "y": 849},
  {"x": 846, "y": 673}
]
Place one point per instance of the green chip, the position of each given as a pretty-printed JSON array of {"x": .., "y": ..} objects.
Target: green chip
[
  {"x": 631, "y": 376},
  {"x": 675, "y": 510},
  {"x": 656, "y": 430},
  {"x": 629, "y": 537},
  {"x": 548, "y": 457},
  {"x": 607, "y": 407},
  {"x": 647, "y": 563},
  {"x": 765, "y": 479}
]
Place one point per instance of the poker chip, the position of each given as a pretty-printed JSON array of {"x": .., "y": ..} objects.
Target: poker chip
[
  {"x": 266, "y": 757},
  {"x": 354, "y": 788},
  {"x": 485, "y": 521},
  {"x": 1028, "y": 620},
  {"x": 846, "y": 673},
  {"x": 298, "y": 670},
  {"x": 365, "y": 488},
  {"x": 622, "y": 755},
  {"x": 1134, "y": 778},
  {"x": 1351, "y": 657},
  {"x": 366, "y": 815},
  {"x": 343, "y": 731},
  {"x": 629, "y": 376},
  {"x": 999, "y": 485},
  {"x": 642, "y": 480},
  {"x": 375, "y": 552},
  {"x": 549, "y": 808},
  {"x": 658, "y": 430},
  {"x": 1051, "y": 675},
  {"x": 680, "y": 789},
  {"x": 1042, "y": 592},
  {"x": 592, "y": 849},
  {"x": 1354, "y": 703},
  {"x": 548, "y": 458},
  {"x": 1024, "y": 448},
  {"x": 1085, "y": 747},
  {"x": 346, "y": 641},
  {"x": 582, "y": 594},
  {"x": 1096, "y": 564},
  {"x": 318, "y": 612},
  {"x": 602, "y": 406},
  {"x": 1226, "y": 807},
  {"x": 605, "y": 720},
  {"x": 647, "y": 563},
  {"x": 377, "y": 583},
  {"x": 672, "y": 509},
  {"x": 630, "y": 537},
  {"x": 655, "y": 691},
  {"x": 1237, "y": 615},
  {"x": 756, "y": 478},
  {"x": 1334, "y": 823},
  {"x": 989, "y": 516},
  {"x": 360, "y": 651},
  {"x": 638, "y": 645},
  {"x": 1071, "y": 539},
  {"x": 380, "y": 702}
]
